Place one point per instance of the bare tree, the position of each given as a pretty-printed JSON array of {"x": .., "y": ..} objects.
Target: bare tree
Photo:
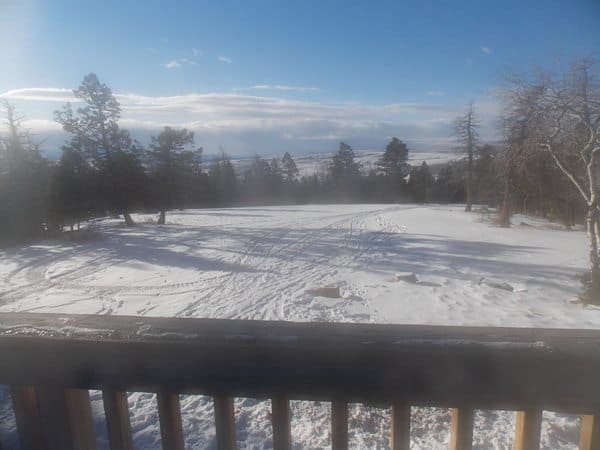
[
  {"x": 465, "y": 130},
  {"x": 23, "y": 177},
  {"x": 563, "y": 119},
  {"x": 517, "y": 142}
]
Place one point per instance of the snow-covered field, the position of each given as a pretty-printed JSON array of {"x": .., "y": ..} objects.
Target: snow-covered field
[{"x": 258, "y": 263}]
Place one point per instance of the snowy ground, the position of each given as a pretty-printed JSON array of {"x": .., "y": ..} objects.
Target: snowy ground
[{"x": 257, "y": 263}]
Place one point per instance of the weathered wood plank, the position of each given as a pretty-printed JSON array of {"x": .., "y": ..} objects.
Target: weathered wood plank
[
  {"x": 280, "y": 413},
  {"x": 461, "y": 429},
  {"x": 118, "y": 423},
  {"x": 492, "y": 368},
  {"x": 589, "y": 437},
  {"x": 171, "y": 428},
  {"x": 528, "y": 425},
  {"x": 339, "y": 425},
  {"x": 400, "y": 439},
  {"x": 81, "y": 420},
  {"x": 27, "y": 417},
  {"x": 225, "y": 422},
  {"x": 66, "y": 418}
]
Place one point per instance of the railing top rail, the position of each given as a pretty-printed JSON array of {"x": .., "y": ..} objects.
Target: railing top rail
[{"x": 439, "y": 365}]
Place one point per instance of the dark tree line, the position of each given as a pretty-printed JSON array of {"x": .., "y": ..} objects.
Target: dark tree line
[{"x": 103, "y": 171}]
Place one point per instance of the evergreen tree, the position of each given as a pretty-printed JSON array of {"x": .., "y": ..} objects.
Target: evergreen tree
[
  {"x": 258, "y": 178},
  {"x": 449, "y": 186},
  {"x": 223, "y": 180},
  {"x": 94, "y": 129},
  {"x": 171, "y": 154},
  {"x": 24, "y": 181},
  {"x": 421, "y": 183},
  {"x": 394, "y": 161},
  {"x": 343, "y": 167},
  {"x": 289, "y": 169},
  {"x": 73, "y": 194}
]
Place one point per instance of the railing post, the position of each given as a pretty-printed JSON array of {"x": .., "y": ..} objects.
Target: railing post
[
  {"x": 225, "y": 422},
  {"x": 27, "y": 415},
  {"x": 589, "y": 437},
  {"x": 118, "y": 423},
  {"x": 171, "y": 429},
  {"x": 66, "y": 418},
  {"x": 400, "y": 439},
  {"x": 339, "y": 425},
  {"x": 461, "y": 429},
  {"x": 527, "y": 429},
  {"x": 280, "y": 413}
]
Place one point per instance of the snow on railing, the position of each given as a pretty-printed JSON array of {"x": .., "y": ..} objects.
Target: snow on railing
[{"x": 51, "y": 361}]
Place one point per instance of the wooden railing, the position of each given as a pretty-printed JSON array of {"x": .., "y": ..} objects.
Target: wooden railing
[{"x": 50, "y": 362}]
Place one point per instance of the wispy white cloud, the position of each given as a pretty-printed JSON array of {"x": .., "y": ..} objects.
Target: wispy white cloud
[
  {"x": 224, "y": 59},
  {"x": 486, "y": 50},
  {"x": 173, "y": 64},
  {"x": 177, "y": 63},
  {"x": 435, "y": 93},
  {"x": 40, "y": 94},
  {"x": 279, "y": 87},
  {"x": 246, "y": 123},
  {"x": 196, "y": 52},
  {"x": 283, "y": 87}
]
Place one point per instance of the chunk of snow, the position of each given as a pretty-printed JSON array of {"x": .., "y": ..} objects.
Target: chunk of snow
[
  {"x": 496, "y": 284},
  {"x": 409, "y": 277},
  {"x": 331, "y": 292}
]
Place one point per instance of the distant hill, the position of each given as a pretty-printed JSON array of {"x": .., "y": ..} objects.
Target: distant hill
[{"x": 310, "y": 163}]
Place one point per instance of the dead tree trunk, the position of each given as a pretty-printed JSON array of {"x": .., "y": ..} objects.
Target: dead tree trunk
[
  {"x": 465, "y": 130},
  {"x": 505, "y": 212},
  {"x": 469, "y": 202}
]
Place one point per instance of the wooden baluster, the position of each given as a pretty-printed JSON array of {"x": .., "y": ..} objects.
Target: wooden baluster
[
  {"x": 118, "y": 423},
  {"x": 81, "y": 418},
  {"x": 461, "y": 429},
  {"x": 27, "y": 417},
  {"x": 171, "y": 428},
  {"x": 66, "y": 418},
  {"x": 280, "y": 413},
  {"x": 527, "y": 429},
  {"x": 400, "y": 439},
  {"x": 589, "y": 437},
  {"x": 225, "y": 422},
  {"x": 339, "y": 425}
]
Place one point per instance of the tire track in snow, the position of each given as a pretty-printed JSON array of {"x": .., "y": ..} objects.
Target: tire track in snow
[{"x": 270, "y": 306}]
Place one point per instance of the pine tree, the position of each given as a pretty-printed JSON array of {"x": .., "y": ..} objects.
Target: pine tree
[
  {"x": 73, "y": 198},
  {"x": 394, "y": 161},
  {"x": 289, "y": 169},
  {"x": 223, "y": 180},
  {"x": 95, "y": 128},
  {"x": 24, "y": 179},
  {"x": 343, "y": 166},
  {"x": 421, "y": 182},
  {"x": 171, "y": 153}
]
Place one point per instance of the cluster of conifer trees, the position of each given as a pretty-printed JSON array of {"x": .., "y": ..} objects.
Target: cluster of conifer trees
[{"x": 104, "y": 171}]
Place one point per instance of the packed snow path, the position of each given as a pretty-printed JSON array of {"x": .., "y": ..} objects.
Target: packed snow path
[{"x": 259, "y": 263}]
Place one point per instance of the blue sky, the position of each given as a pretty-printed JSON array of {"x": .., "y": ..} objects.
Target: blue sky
[{"x": 260, "y": 76}]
